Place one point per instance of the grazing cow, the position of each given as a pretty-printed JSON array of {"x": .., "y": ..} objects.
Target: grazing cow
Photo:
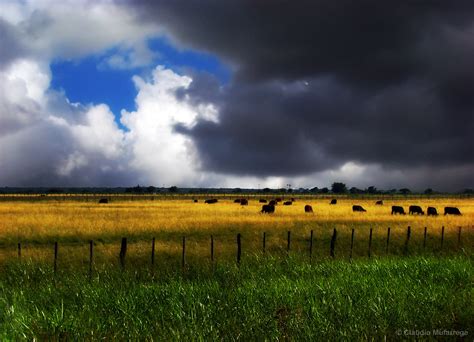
[
  {"x": 104, "y": 200},
  {"x": 292, "y": 199},
  {"x": 272, "y": 202},
  {"x": 451, "y": 211},
  {"x": 397, "y": 210},
  {"x": 358, "y": 208},
  {"x": 415, "y": 209},
  {"x": 379, "y": 202},
  {"x": 268, "y": 209},
  {"x": 237, "y": 200},
  {"x": 243, "y": 201},
  {"x": 287, "y": 203},
  {"x": 195, "y": 201},
  {"x": 278, "y": 199},
  {"x": 263, "y": 200},
  {"x": 431, "y": 211},
  {"x": 333, "y": 201},
  {"x": 210, "y": 201},
  {"x": 308, "y": 208}
]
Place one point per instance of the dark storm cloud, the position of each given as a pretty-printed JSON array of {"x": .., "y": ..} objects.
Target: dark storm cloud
[{"x": 321, "y": 83}]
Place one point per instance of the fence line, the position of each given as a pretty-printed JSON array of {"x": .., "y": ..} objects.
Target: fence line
[{"x": 239, "y": 245}]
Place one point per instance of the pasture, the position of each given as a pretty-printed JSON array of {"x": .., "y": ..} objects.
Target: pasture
[{"x": 276, "y": 293}]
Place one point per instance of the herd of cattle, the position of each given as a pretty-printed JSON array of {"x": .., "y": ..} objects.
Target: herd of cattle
[{"x": 269, "y": 208}]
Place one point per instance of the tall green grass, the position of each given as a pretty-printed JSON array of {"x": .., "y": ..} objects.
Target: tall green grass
[{"x": 263, "y": 299}]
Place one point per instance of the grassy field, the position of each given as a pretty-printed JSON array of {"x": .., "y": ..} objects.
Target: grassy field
[{"x": 276, "y": 295}]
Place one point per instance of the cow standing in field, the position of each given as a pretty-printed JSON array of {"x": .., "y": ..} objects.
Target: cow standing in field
[
  {"x": 263, "y": 200},
  {"x": 210, "y": 201},
  {"x": 379, "y": 202},
  {"x": 268, "y": 209},
  {"x": 278, "y": 199},
  {"x": 358, "y": 208},
  {"x": 237, "y": 200},
  {"x": 397, "y": 210},
  {"x": 243, "y": 201},
  {"x": 308, "y": 208},
  {"x": 273, "y": 202},
  {"x": 451, "y": 211},
  {"x": 333, "y": 201},
  {"x": 287, "y": 203},
  {"x": 195, "y": 201},
  {"x": 431, "y": 211},
  {"x": 104, "y": 201},
  {"x": 415, "y": 209}
]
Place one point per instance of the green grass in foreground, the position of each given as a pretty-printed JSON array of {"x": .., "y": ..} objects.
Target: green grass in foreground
[{"x": 262, "y": 300}]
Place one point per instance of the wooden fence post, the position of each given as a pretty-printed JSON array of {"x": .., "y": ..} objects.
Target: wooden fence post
[
  {"x": 264, "y": 241},
  {"x": 239, "y": 248},
  {"x": 19, "y": 250},
  {"x": 352, "y": 243},
  {"x": 424, "y": 237},
  {"x": 123, "y": 252},
  {"x": 91, "y": 255},
  {"x": 408, "y": 239},
  {"x": 212, "y": 248},
  {"x": 288, "y": 243},
  {"x": 442, "y": 236},
  {"x": 311, "y": 246},
  {"x": 459, "y": 237},
  {"x": 333, "y": 243},
  {"x": 388, "y": 240},
  {"x": 370, "y": 243},
  {"x": 55, "y": 256},
  {"x": 183, "y": 254},
  {"x": 153, "y": 252}
]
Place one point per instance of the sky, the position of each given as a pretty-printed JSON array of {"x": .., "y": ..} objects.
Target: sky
[{"x": 237, "y": 93}]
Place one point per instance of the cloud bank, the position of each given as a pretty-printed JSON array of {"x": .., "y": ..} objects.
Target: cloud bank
[{"x": 367, "y": 93}]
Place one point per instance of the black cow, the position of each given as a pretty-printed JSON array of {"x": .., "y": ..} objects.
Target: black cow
[
  {"x": 273, "y": 202},
  {"x": 263, "y": 200},
  {"x": 358, "y": 208},
  {"x": 415, "y": 209},
  {"x": 308, "y": 208},
  {"x": 397, "y": 210},
  {"x": 268, "y": 209},
  {"x": 292, "y": 199},
  {"x": 195, "y": 201},
  {"x": 431, "y": 211},
  {"x": 333, "y": 201},
  {"x": 243, "y": 201},
  {"x": 210, "y": 201},
  {"x": 104, "y": 200},
  {"x": 451, "y": 211},
  {"x": 278, "y": 199},
  {"x": 287, "y": 203},
  {"x": 237, "y": 200},
  {"x": 379, "y": 202}
]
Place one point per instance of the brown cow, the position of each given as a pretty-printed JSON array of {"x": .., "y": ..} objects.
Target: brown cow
[
  {"x": 268, "y": 209},
  {"x": 308, "y": 208}
]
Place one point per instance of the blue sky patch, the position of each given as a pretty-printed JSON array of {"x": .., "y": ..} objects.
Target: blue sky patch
[{"x": 89, "y": 81}]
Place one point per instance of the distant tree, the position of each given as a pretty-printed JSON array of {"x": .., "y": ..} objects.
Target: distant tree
[
  {"x": 151, "y": 189},
  {"x": 315, "y": 190},
  {"x": 324, "y": 190},
  {"x": 404, "y": 191},
  {"x": 468, "y": 191},
  {"x": 173, "y": 189},
  {"x": 355, "y": 190},
  {"x": 237, "y": 190},
  {"x": 371, "y": 190},
  {"x": 338, "y": 188},
  {"x": 289, "y": 190},
  {"x": 266, "y": 190},
  {"x": 428, "y": 191}
]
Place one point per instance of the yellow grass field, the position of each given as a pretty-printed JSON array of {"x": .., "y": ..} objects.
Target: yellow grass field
[{"x": 71, "y": 222}]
